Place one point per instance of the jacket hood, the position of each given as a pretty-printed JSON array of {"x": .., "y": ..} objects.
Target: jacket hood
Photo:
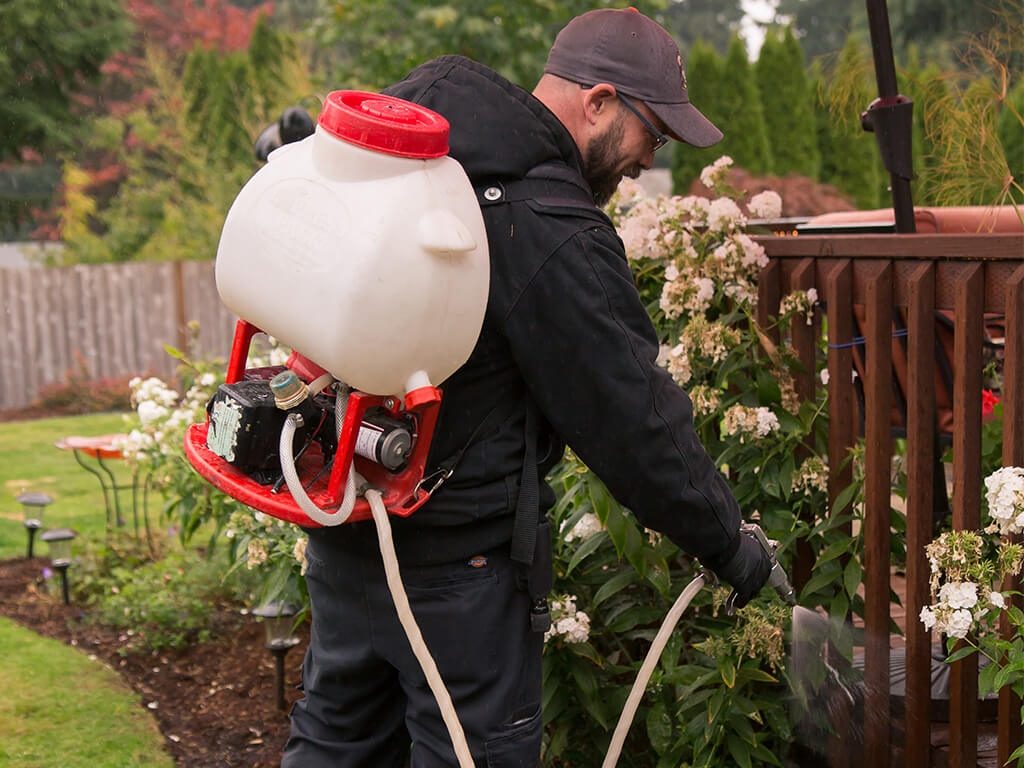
[{"x": 498, "y": 129}]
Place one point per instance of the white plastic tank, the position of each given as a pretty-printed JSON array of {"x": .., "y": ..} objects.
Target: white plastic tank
[{"x": 362, "y": 247}]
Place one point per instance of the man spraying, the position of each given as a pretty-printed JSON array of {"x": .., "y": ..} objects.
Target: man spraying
[{"x": 566, "y": 356}]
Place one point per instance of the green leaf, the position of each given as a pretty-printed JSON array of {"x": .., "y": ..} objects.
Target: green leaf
[
  {"x": 727, "y": 668},
  {"x": 844, "y": 498},
  {"x": 852, "y": 575},
  {"x": 600, "y": 499},
  {"x": 177, "y": 354},
  {"x": 583, "y": 550},
  {"x": 659, "y": 727},
  {"x": 819, "y": 580},
  {"x": 1001, "y": 677},
  {"x": 962, "y": 653},
  {"x": 613, "y": 585},
  {"x": 832, "y": 551},
  {"x": 739, "y": 750},
  {"x": 986, "y": 679}
]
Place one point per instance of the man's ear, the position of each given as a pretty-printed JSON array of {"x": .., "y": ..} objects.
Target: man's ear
[{"x": 599, "y": 103}]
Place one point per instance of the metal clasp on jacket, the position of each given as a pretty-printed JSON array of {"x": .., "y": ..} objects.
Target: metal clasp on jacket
[{"x": 430, "y": 483}]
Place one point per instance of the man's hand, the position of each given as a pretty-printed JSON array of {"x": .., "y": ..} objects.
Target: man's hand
[{"x": 746, "y": 570}]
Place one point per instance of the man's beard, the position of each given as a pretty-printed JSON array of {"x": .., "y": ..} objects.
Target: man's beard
[{"x": 601, "y": 162}]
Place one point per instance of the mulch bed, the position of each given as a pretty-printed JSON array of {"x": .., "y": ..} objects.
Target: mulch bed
[{"x": 215, "y": 702}]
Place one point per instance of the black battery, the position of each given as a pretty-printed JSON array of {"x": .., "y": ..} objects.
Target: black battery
[{"x": 245, "y": 426}]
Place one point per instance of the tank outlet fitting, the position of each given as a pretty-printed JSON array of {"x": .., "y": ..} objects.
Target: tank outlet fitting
[{"x": 289, "y": 391}]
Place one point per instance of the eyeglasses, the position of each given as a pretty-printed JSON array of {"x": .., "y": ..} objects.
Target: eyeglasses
[{"x": 660, "y": 139}]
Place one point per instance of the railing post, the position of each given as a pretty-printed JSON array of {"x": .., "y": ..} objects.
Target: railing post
[
  {"x": 969, "y": 296},
  {"x": 877, "y": 490},
  {"x": 1011, "y": 732},
  {"x": 921, "y": 465},
  {"x": 839, "y": 297}
]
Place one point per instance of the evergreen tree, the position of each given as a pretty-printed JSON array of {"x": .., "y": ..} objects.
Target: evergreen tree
[
  {"x": 855, "y": 160},
  {"x": 787, "y": 104},
  {"x": 822, "y": 123},
  {"x": 48, "y": 56},
  {"x": 704, "y": 70},
  {"x": 739, "y": 100}
]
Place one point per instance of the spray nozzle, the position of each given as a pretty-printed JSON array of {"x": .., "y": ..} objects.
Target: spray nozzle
[{"x": 777, "y": 578}]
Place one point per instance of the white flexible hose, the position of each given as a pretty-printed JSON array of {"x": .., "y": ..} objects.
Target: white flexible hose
[
  {"x": 291, "y": 477},
  {"x": 412, "y": 630},
  {"x": 647, "y": 668}
]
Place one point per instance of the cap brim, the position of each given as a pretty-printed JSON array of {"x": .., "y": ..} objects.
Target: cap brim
[{"x": 686, "y": 123}]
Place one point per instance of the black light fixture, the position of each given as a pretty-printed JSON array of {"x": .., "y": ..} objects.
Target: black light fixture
[
  {"x": 59, "y": 540},
  {"x": 279, "y": 622},
  {"x": 33, "y": 504}
]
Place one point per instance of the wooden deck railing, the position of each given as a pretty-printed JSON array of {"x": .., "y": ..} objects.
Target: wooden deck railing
[{"x": 968, "y": 275}]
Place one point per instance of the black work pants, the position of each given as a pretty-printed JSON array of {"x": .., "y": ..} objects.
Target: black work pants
[{"x": 367, "y": 703}]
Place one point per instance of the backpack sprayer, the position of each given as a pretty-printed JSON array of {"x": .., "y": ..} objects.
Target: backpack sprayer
[{"x": 363, "y": 249}]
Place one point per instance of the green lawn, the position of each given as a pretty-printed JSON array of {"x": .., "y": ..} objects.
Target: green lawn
[
  {"x": 30, "y": 462},
  {"x": 61, "y": 708}
]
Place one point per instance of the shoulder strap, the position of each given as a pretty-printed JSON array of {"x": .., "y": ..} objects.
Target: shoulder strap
[{"x": 554, "y": 188}]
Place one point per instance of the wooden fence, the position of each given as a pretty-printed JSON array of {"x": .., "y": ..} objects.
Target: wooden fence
[
  {"x": 891, "y": 281},
  {"x": 112, "y": 318}
]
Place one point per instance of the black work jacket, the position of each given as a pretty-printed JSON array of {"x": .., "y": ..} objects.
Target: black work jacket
[{"x": 564, "y": 326}]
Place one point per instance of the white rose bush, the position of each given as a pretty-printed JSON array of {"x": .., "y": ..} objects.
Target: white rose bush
[{"x": 719, "y": 695}]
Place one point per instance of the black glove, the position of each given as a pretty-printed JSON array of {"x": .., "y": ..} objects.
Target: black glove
[{"x": 744, "y": 565}]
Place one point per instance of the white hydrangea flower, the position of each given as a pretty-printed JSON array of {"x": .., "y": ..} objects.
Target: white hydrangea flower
[
  {"x": 959, "y": 623},
  {"x": 744, "y": 421},
  {"x": 679, "y": 364},
  {"x": 571, "y": 625},
  {"x": 584, "y": 528},
  {"x": 695, "y": 207},
  {"x": 1005, "y": 497},
  {"x": 150, "y": 411},
  {"x": 997, "y": 600},
  {"x": 959, "y": 594},
  {"x": 299, "y": 553},
  {"x": 766, "y": 205},
  {"x": 927, "y": 617},
  {"x": 724, "y": 215},
  {"x": 713, "y": 175}
]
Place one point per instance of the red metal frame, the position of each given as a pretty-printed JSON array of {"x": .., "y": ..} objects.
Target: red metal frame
[{"x": 401, "y": 491}]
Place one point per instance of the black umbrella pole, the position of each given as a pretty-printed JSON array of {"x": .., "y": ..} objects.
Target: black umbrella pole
[{"x": 890, "y": 117}]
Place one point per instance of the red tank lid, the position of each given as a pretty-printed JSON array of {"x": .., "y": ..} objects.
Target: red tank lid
[{"x": 385, "y": 124}]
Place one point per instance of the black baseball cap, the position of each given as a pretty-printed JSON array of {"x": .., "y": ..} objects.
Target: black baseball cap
[{"x": 624, "y": 48}]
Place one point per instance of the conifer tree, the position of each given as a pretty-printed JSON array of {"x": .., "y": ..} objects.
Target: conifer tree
[
  {"x": 788, "y": 106},
  {"x": 703, "y": 82},
  {"x": 739, "y": 100}
]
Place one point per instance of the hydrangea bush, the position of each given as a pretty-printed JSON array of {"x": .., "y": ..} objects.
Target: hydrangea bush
[
  {"x": 719, "y": 695},
  {"x": 968, "y": 569},
  {"x": 271, "y": 548}
]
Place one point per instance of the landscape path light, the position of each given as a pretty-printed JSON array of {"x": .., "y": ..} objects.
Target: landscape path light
[
  {"x": 59, "y": 540},
  {"x": 33, "y": 504},
  {"x": 279, "y": 622}
]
